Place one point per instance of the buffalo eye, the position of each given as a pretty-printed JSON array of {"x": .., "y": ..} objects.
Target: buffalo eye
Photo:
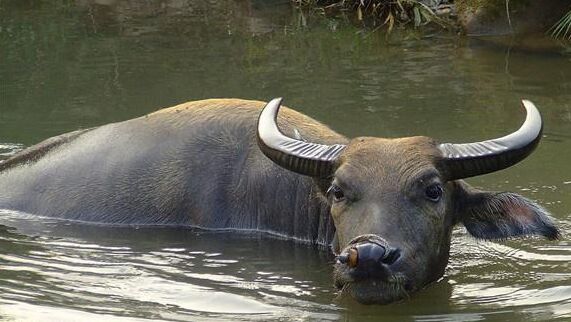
[
  {"x": 336, "y": 193},
  {"x": 434, "y": 192}
]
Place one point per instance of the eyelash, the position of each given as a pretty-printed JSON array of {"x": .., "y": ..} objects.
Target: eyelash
[
  {"x": 434, "y": 192},
  {"x": 336, "y": 193}
]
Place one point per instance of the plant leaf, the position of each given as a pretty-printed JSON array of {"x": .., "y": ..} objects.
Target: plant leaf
[{"x": 417, "y": 17}]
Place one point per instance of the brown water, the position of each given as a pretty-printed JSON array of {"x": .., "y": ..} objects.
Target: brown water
[{"x": 66, "y": 65}]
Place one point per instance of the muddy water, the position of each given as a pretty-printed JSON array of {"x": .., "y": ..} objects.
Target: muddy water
[{"x": 66, "y": 65}]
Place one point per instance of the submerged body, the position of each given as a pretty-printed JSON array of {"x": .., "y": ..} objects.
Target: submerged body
[
  {"x": 386, "y": 206},
  {"x": 193, "y": 164}
]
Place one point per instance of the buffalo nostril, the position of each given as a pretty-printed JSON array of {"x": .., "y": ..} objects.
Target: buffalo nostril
[
  {"x": 351, "y": 257},
  {"x": 363, "y": 254},
  {"x": 391, "y": 256},
  {"x": 369, "y": 254}
]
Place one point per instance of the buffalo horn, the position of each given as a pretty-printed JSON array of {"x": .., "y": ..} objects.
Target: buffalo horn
[
  {"x": 472, "y": 159},
  {"x": 312, "y": 159}
]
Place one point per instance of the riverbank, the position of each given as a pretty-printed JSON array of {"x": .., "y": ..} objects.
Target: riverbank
[
  {"x": 482, "y": 17},
  {"x": 378, "y": 13}
]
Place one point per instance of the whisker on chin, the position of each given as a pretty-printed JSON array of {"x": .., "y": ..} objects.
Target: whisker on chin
[
  {"x": 399, "y": 288},
  {"x": 343, "y": 292},
  {"x": 393, "y": 289}
]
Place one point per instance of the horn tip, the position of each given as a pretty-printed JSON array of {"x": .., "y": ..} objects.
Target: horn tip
[
  {"x": 528, "y": 104},
  {"x": 273, "y": 106},
  {"x": 531, "y": 110},
  {"x": 277, "y": 100}
]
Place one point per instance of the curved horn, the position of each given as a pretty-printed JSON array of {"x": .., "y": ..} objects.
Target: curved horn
[
  {"x": 472, "y": 159},
  {"x": 312, "y": 159}
]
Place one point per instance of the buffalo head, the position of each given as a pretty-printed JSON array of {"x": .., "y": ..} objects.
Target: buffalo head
[{"x": 394, "y": 202}]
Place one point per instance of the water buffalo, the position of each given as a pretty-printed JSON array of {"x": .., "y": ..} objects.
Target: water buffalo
[{"x": 386, "y": 206}]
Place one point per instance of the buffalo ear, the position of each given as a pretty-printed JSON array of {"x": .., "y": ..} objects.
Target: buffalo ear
[{"x": 500, "y": 215}]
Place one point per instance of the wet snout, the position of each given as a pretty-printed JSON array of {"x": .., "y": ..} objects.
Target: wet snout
[{"x": 369, "y": 256}]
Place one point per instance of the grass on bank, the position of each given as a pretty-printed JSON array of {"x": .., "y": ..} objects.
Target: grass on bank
[
  {"x": 383, "y": 12},
  {"x": 562, "y": 29}
]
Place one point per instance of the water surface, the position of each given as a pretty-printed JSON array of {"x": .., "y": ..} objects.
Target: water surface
[{"x": 66, "y": 65}]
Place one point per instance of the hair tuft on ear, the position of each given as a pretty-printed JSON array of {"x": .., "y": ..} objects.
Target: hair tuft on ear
[{"x": 504, "y": 215}]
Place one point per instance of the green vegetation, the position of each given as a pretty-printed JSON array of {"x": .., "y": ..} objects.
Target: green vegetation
[
  {"x": 493, "y": 8},
  {"x": 562, "y": 29},
  {"x": 381, "y": 12}
]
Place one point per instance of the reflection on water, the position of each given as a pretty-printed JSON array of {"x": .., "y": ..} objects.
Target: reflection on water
[
  {"x": 75, "y": 64},
  {"x": 159, "y": 273},
  {"x": 76, "y": 271}
]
